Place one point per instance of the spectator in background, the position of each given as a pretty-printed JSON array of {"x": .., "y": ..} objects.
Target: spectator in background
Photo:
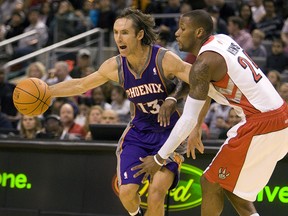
[
  {"x": 271, "y": 24},
  {"x": 60, "y": 73},
  {"x": 55, "y": 106},
  {"x": 32, "y": 43},
  {"x": 170, "y": 24},
  {"x": 225, "y": 126},
  {"x": 7, "y": 7},
  {"x": 245, "y": 13},
  {"x": 98, "y": 98},
  {"x": 284, "y": 35},
  {"x": 120, "y": 104},
  {"x": 225, "y": 10},
  {"x": 106, "y": 19},
  {"x": 47, "y": 16},
  {"x": 83, "y": 106},
  {"x": 277, "y": 60},
  {"x": 215, "y": 114},
  {"x": 163, "y": 40},
  {"x": 94, "y": 116},
  {"x": 283, "y": 91},
  {"x": 6, "y": 94},
  {"x": 68, "y": 22},
  {"x": 4, "y": 120},
  {"x": 220, "y": 25},
  {"x": 53, "y": 129},
  {"x": 237, "y": 32},
  {"x": 257, "y": 49},
  {"x": 173, "y": 46},
  {"x": 258, "y": 10},
  {"x": 91, "y": 11},
  {"x": 64, "y": 23},
  {"x": 83, "y": 61},
  {"x": 13, "y": 27},
  {"x": 29, "y": 126},
  {"x": 275, "y": 78},
  {"x": 68, "y": 113},
  {"x": 110, "y": 116},
  {"x": 37, "y": 70}
]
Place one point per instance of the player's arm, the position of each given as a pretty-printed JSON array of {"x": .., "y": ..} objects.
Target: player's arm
[
  {"x": 180, "y": 91},
  {"x": 169, "y": 106},
  {"x": 107, "y": 71},
  {"x": 173, "y": 66},
  {"x": 194, "y": 140},
  {"x": 209, "y": 66}
]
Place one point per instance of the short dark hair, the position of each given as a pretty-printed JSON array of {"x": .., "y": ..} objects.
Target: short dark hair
[
  {"x": 201, "y": 18},
  {"x": 237, "y": 21},
  {"x": 143, "y": 22}
]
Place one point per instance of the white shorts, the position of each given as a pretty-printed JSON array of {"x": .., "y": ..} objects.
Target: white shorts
[{"x": 245, "y": 162}]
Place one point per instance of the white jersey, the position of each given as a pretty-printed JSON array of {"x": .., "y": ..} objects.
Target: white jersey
[{"x": 244, "y": 87}]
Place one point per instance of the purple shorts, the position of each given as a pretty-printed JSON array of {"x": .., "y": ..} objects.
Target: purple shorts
[{"x": 136, "y": 144}]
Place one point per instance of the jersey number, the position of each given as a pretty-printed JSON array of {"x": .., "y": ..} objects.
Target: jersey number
[
  {"x": 251, "y": 65},
  {"x": 149, "y": 107}
]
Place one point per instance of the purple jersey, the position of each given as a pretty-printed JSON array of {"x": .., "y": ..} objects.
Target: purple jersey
[
  {"x": 144, "y": 136},
  {"x": 147, "y": 90}
]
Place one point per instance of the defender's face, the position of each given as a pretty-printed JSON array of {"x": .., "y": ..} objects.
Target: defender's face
[
  {"x": 125, "y": 36},
  {"x": 185, "y": 35}
]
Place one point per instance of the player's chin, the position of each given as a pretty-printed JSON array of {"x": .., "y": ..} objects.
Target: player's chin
[{"x": 122, "y": 52}]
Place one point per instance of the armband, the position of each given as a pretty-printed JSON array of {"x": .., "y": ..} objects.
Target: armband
[
  {"x": 171, "y": 98},
  {"x": 156, "y": 160}
]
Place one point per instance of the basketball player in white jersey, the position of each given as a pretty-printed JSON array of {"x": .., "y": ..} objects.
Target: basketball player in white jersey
[{"x": 246, "y": 160}]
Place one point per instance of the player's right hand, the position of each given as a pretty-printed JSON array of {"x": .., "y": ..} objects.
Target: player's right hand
[
  {"x": 194, "y": 142},
  {"x": 166, "y": 110}
]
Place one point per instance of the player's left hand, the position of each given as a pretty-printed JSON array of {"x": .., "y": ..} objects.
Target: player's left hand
[
  {"x": 194, "y": 142},
  {"x": 166, "y": 110},
  {"x": 148, "y": 166}
]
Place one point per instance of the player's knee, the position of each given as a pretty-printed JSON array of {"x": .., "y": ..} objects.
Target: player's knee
[
  {"x": 156, "y": 192},
  {"x": 127, "y": 192},
  {"x": 203, "y": 181},
  {"x": 209, "y": 187}
]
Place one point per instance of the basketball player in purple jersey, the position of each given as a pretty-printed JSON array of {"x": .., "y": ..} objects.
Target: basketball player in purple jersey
[{"x": 149, "y": 74}]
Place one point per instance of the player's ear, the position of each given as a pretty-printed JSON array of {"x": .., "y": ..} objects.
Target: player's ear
[
  {"x": 140, "y": 34},
  {"x": 200, "y": 32}
]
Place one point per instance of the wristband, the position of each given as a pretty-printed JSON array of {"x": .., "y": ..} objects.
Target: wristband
[
  {"x": 171, "y": 98},
  {"x": 156, "y": 160}
]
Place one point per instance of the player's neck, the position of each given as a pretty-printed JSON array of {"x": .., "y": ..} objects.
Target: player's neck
[{"x": 139, "y": 59}]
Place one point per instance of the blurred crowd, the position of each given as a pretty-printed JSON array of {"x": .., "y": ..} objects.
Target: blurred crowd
[{"x": 259, "y": 26}]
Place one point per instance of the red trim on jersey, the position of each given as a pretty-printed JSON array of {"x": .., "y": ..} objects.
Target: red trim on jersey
[
  {"x": 246, "y": 106},
  {"x": 223, "y": 82},
  {"x": 209, "y": 40}
]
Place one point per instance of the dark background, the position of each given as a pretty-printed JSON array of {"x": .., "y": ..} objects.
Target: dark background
[{"x": 70, "y": 178}]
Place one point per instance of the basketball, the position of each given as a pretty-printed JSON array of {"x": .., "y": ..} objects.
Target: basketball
[{"x": 32, "y": 96}]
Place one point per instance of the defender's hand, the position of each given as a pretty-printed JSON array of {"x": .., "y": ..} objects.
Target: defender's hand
[
  {"x": 148, "y": 166},
  {"x": 194, "y": 142}
]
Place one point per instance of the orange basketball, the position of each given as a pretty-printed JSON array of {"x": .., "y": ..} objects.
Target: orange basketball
[{"x": 32, "y": 96}]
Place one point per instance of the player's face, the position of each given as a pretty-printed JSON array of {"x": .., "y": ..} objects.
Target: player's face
[
  {"x": 185, "y": 35},
  {"x": 125, "y": 36}
]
